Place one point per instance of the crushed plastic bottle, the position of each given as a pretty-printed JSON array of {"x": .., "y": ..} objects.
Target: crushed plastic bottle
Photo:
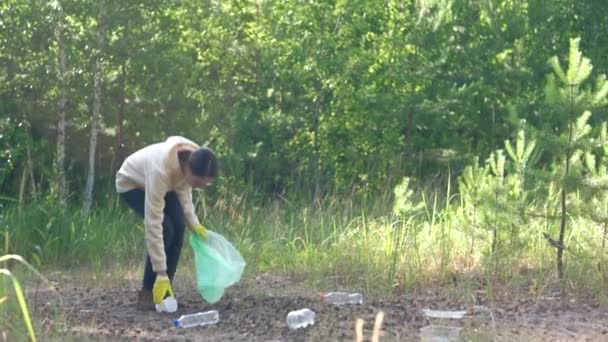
[
  {"x": 197, "y": 319},
  {"x": 341, "y": 298},
  {"x": 300, "y": 318},
  {"x": 442, "y": 314},
  {"x": 440, "y": 333},
  {"x": 168, "y": 304}
]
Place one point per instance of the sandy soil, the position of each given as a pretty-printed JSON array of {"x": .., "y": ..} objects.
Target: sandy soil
[{"x": 255, "y": 310}]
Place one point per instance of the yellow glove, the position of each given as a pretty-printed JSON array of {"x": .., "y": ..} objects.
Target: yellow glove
[
  {"x": 162, "y": 287},
  {"x": 200, "y": 230}
]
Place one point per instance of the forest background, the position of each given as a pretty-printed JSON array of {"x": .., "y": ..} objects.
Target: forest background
[{"x": 390, "y": 144}]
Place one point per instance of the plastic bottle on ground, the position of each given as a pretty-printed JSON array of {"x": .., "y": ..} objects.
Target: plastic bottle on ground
[
  {"x": 300, "y": 318},
  {"x": 341, "y": 298},
  {"x": 197, "y": 319},
  {"x": 168, "y": 304},
  {"x": 440, "y": 333}
]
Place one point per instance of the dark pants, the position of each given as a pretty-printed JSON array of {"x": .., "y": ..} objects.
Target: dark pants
[{"x": 173, "y": 231}]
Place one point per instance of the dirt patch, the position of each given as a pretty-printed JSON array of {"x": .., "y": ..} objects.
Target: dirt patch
[{"x": 255, "y": 310}]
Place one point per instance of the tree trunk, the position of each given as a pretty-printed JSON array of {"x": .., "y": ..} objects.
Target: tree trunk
[
  {"x": 121, "y": 114},
  {"x": 411, "y": 107},
  {"x": 22, "y": 188},
  {"x": 564, "y": 204},
  {"x": 409, "y": 140},
  {"x": 604, "y": 237},
  {"x": 498, "y": 185},
  {"x": 562, "y": 233},
  {"x": 30, "y": 167},
  {"x": 95, "y": 118},
  {"x": 316, "y": 158},
  {"x": 61, "y": 121},
  {"x": 30, "y": 163}
]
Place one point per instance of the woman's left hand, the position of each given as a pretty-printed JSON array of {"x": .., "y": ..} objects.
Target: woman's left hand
[{"x": 200, "y": 230}]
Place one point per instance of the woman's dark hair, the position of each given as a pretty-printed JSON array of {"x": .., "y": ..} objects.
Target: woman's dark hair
[{"x": 202, "y": 162}]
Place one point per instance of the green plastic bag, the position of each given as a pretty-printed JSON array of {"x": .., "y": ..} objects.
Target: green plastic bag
[{"x": 218, "y": 265}]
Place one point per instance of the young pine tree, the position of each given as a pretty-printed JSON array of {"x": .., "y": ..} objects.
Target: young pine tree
[{"x": 571, "y": 100}]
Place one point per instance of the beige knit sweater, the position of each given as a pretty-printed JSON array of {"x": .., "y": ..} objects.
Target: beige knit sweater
[{"x": 156, "y": 170}]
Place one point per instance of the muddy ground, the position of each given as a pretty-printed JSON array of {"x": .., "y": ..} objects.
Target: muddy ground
[{"x": 255, "y": 310}]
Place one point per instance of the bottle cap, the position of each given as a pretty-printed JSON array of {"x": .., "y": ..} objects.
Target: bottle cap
[
  {"x": 176, "y": 323},
  {"x": 323, "y": 297}
]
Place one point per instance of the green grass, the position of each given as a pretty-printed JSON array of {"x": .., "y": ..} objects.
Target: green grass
[
  {"x": 351, "y": 242},
  {"x": 45, "y": 235},
  {"x": 367, "y": 247},
  {"x": 14, "y": 301}
]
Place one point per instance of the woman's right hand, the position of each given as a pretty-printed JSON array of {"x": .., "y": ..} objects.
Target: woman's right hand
[{"x": 162, "y": 287}]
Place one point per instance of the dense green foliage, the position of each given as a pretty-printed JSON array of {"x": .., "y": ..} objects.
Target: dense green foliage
[
  {"x": 432, "y": 134},
  {"x": 334, "y": 93}
]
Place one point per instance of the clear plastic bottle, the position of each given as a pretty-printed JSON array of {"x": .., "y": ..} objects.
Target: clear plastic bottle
[
  {"x": 440, "y": 333},
  {"x": 168, "y": 304},
  {"x": 300, "y": 318},
  {"x": 341, "y": 298},
  {"x": 197, "y": 319}
]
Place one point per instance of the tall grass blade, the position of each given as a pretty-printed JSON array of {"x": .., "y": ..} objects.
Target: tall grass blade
[{"x": 22, "y": 304}]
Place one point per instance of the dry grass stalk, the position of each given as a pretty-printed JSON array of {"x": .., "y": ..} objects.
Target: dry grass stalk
[
  {"x": 359, "y": 330},
  {"x": 378, "y": 327},
  {"x": 377, "y": 332}
]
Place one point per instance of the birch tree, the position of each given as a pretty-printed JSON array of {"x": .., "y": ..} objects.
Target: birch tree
[
  {"x": 61, "y": 110},
  {"x": 95, "y": 117}
]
